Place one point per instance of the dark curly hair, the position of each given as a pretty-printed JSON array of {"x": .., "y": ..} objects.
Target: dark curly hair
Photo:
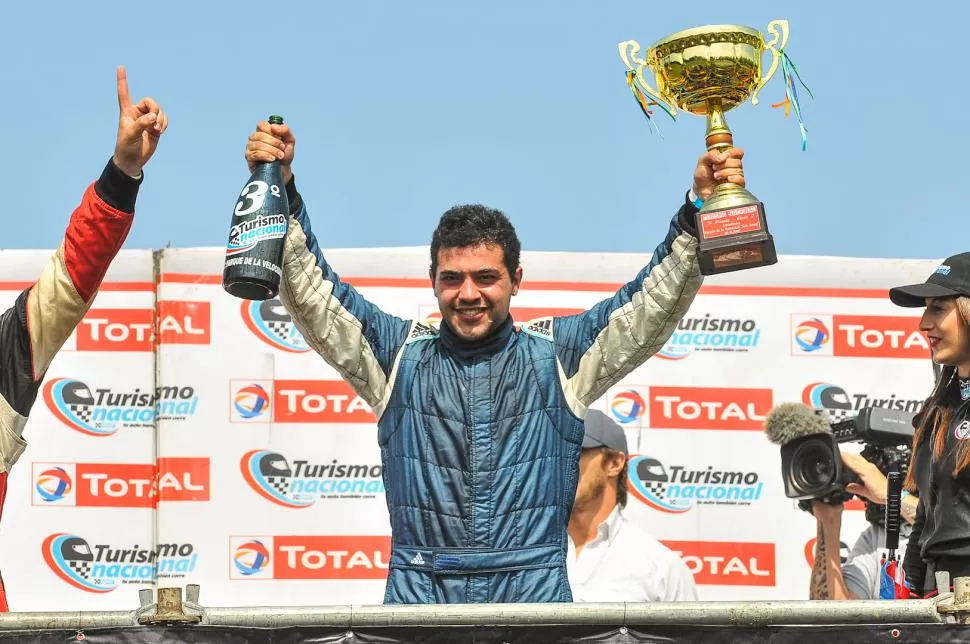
[{"x": 472, "y": 225}]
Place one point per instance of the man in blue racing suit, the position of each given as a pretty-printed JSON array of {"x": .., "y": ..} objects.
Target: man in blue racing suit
[{"x": 480, "y": 425}]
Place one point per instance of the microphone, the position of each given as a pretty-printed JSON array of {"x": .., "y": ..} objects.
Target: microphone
[{"x": 789, "y": 421}]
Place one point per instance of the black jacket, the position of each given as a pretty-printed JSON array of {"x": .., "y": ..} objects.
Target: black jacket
[{"x": 941, "y": 532}]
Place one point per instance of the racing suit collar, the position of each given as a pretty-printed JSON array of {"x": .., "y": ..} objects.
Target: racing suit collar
[{"x": 490, "y": 344}]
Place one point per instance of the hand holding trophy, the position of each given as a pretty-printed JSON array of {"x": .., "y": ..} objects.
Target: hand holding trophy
[{"x": 708, "y": 71}]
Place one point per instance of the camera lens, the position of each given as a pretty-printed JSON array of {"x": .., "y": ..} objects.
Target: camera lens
[{"x": 812, "y": 467}]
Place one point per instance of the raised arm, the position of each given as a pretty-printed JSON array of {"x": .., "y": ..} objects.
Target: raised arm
[
  {"x": 353, "y": 335},
  {"x": 599, "y": 347},
  {"x": 44, "y": 315},
  {"x": 827, "y": 579}
]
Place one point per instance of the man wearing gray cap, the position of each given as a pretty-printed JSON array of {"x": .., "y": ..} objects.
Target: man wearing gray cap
[{"x": 609, "y": 558}]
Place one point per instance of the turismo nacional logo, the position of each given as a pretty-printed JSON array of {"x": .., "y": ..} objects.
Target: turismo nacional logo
[
  {"x": 102, "y": 568},
  {"x": 709, "y": 334},
  {"x": 270, "y": 475},
  {"x": 678, "y": 488},
  {"x": 103, "y": 411}
]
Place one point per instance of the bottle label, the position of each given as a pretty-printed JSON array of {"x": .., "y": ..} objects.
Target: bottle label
[
  {"x": 257, "y": 231},
  {"x": 245, "y": 235},
  {"x": 249, "y": 260},
  {"x": 253, "y": 195}
]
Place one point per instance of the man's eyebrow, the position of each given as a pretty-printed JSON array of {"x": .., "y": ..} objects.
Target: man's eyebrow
[{"x": 480, "y": 271}]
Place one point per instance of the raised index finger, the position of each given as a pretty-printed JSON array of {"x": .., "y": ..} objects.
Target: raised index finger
[{"x": 124, "y": 98}]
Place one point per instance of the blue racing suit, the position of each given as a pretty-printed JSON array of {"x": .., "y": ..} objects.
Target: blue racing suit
[{"x": 480, "y": 440}]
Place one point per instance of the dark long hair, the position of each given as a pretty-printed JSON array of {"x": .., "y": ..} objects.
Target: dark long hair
[{"x": 937, "y": 412}]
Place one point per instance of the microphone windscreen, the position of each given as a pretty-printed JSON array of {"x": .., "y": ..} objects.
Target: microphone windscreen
[{"x": 788, "y": 421}]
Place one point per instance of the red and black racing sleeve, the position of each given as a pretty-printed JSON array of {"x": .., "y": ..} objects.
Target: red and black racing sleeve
[{"x": 45, "y": 314}]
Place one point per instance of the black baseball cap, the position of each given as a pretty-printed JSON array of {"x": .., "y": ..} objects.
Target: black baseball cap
[
  {"x": 951, "y": 278},
  {"x": 603, "y": 431}
]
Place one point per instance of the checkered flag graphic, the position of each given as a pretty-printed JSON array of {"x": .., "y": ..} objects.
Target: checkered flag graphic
[
  {"x": 279, "y": 483},
  {"x": 657, "y": 488},
  {"x": 833, "y": 416},
  {"x": 82, "y": 568},
  {"x": 82, "y": 411},
  {"x": 280, "y": 328}
]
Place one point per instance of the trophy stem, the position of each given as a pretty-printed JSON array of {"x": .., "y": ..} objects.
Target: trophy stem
[
  {"x": 718, "y": 135},
  {"x": 719, "y": 138}
]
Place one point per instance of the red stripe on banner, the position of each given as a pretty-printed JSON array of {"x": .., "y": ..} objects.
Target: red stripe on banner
[
  {"x": 797, "y": 291},
  {"x": 608, "y": 287},
  {"x": 188, "y": 278},
  {"x": 105, "y": 286},
  {"x": 127, "y": 286}
]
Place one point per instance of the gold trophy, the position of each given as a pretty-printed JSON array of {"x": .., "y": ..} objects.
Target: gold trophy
[{"x": 708, "y": 71}]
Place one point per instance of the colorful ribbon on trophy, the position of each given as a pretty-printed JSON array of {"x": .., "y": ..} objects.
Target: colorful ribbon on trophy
[
  {"x": 644, "y": 102},
  {"x": 790, "y": 72}
]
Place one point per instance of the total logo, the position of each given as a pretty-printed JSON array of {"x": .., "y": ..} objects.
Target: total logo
[
  {"x": 184, "y": 322},
  {"x": 714, "y": 408},
  {"x": 858, "y": 336},
  {"x": 251, "y": 401},
  {"x": 677, "y": 488},
  {"x": 251, "y": 557},
  {"x": 296, "y": 401},
  {"x": 102, "y": 568},
  {"x": 719, "y": 563},
  {"x": 309, "y": 557},
  {"x": 269, "y": 321},
  {"x": 120, "y": 485},
  {"x": 812, "y": 335},
  {"x": 103, "y": 411},
  {"x": 52, "y": 483},
  {"x": 116, "y": 330},
  {"x": 179, "y": 322},
  {"x": 627, "y": 406},
  {"x": 708, "y": 334},
  {"x": 270, "y": 475},
  {"x": 825, "y": 395}
]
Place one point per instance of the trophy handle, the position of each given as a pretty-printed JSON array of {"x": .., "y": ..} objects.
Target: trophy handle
[
  {"x": 628, "y": 54},
  {"x": 779, "y": 31}
]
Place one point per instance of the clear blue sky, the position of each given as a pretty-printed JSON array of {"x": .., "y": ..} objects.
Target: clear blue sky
[{"x": 402, "y": 109}]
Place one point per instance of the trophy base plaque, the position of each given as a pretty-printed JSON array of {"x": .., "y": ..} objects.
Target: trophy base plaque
[{"x": 733, "y": 232}]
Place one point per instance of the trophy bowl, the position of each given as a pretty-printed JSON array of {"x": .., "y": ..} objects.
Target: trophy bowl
[{"x": 696, "y": 67}]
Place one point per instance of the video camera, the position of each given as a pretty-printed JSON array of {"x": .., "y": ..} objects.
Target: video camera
[{"x": 811, "y": 463}]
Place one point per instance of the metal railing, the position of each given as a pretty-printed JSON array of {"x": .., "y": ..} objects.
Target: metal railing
[{"x": 170, "y": 609}]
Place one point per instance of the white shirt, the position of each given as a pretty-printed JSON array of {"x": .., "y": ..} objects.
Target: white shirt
[
  {"x": 625, "y": 564},
  {"x": 861, "y": 570}
]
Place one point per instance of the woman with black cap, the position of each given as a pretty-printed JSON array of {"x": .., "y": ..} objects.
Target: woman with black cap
[{"x": 940, "y": 467}]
